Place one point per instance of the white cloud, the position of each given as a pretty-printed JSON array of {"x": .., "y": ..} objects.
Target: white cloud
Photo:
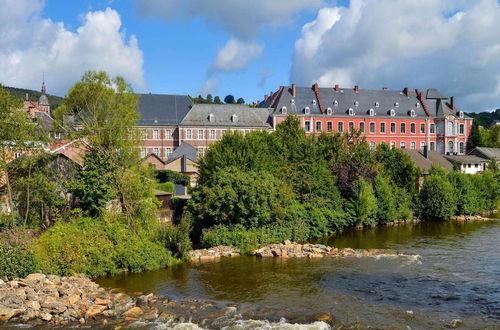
[
  {"x": 244, "y": 19},
  {"x": 30, "y": 45},
  {"x": 235, "y": 56},
  {"x": 209, "y": 87},
  {"x": 450, "y": 45}
]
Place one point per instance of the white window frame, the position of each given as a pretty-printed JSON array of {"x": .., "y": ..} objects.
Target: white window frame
[
  {"x": 202, "y": 135},
  {"x": 329, "y": 126},
  {"x": 213, "y": 134},
  {"x": 156, "y": 134},
  {"x": 413, "y": 125},
  {"x": 422, "y": 145},
  {"x": 156, "y": 151},
  {"x": 362, "y": 127},
  {"x": 307, "y": 110},
  {"x": 189, "y": 134},
  {"x": 168, "y": 134},
  {"x": 167, "y": 151},
  {"x": 413, "y": 145},
  {"x": 402, "y": 145},
  {"x": 340, "y": 127},
  {"x": 307, "y": 125},
  {"x": 350, "y": 126},
  {"x": 320, "y": 126},
  {"x": 402, "y": 128},
  {"x": 425, "y": 128},
  {"x": 373, "y": 125},
  {"x": 391, "y": 125},
  {"x": 432, "y": 128},
  {"x": 382, "y": 124}
]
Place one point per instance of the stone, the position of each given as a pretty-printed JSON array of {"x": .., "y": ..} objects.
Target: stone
[
  {"x": 207, "y": 258},
  {"x": 95, "y": 310},
  {"x": 102, "y": 301},
  {"x": 46, "y": 316},
  {"x": 82, "y": 321},
  {"x": 121, "y": 298},
  {"x": 35, "y": 277},
  {"x": 73, "y": 299},
  {"x": 325, "y": 317},
  {"x": 456, "y": 323},
  {"x": 2, "y": 282},
  {"x": 134, "y": 312},
  {"x": 7, "y": 313},
  {"x": 35, "y": 305}
]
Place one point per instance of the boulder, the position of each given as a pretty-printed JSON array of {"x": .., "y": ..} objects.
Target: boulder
[
  {"x": 134, "y": 312},
  {"x": 46, "y": 316},
  {"x": 7, "y": 313},
  {"x": 35, "y": 277},
  {"x": 95, "y": 310}
]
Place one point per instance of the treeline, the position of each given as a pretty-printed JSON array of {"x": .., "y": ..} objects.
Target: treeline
[
  {"x": 99, "y": 218},
  {"x": 485, "y": 118},
  {"x": 267, "y": 187},
  {"x": 229, "y": 99},
  {"x": 20, "y": 93}
]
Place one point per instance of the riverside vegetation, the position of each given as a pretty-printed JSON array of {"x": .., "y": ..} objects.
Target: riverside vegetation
[{"x": 253, "y": 190}]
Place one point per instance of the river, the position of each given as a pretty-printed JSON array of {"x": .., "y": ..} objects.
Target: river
[{"x": 457, "y": 278}]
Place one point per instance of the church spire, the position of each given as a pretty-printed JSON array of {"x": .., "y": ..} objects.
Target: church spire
[{"x": 43, "y": 100}]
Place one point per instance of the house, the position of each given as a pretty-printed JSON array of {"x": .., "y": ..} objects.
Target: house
[
  {"x": 468, "y": 164},
  {"x": 486, "y": 153},
  {"x": 406, "y": 119},
  {"x": 427, "y": 159}
]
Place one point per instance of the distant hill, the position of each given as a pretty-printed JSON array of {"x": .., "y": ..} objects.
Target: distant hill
[
  {"x": 33, "y": 95},
  {"x": 485, "y": 119}
]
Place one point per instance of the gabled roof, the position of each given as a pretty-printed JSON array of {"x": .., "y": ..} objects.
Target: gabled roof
[
  {"x": 45, "y": 120},
  {"x": 466, "y": 159},
  {"x": 223, "y": 116},
  {"x": 184, "y": 150},
  {"x": 158, "y": 109},
  {"x": 425, "y": 164},
  {"x": 487, "y": 153},
  {"x": 433, "y": 93}
]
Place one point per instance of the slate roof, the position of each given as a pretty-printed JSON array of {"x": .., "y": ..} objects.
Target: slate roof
[
  {"x": 466, "y": 159},
  {"x": 381, "y": 101},
  {"x": 45, "y": 120},
  {"x": 184, "y": 150},
  {"x": 487, "y": 153},
  {"x": 222, "y": 114},
  {"x": 435, "y": 159},
  {"x": 161, "y": 110}
]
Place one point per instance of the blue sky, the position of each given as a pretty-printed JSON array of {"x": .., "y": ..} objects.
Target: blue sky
[{"x": 248, "y": 48}]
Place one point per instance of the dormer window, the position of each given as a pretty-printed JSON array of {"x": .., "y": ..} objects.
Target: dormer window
[
  {"x": 329, "y": 111},
  {"x": 396, "y": 104},
  {"x": 335, "y": 103},
  {"x": 211, "y": 118},
  {"x": 351, "y": 112},
  {"x": 307, "y": 110},
  {"x": 283, "y": 110},
  {"x": 377, "y": 104},
  {"x": 412, "y": 113},
  {"x": 371, "y": 112},
  {"x": 392, "y": 112},
  {"x": 356, "y": 103},
  {"x": 417, "y": 105},
  {"x": 461, "y": 114},
  {"x": 292, "y": 101},
  {"x": 234, "y": 118},
  {"x": 313, "y": 102}
]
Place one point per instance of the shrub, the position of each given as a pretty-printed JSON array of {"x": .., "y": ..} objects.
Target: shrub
[
  {"x": 466, "y": 194},
  {"x": 176, "y": 237},
  {"x": 386, "y": 207},
  {"x": 166, "y": 186},
  {"x": 236, "y": 235},
  {"x": 362, "y": 206},
  {"x": 164, "y": 176},
  {"x": 16, "y": 255},
  {"x": 436, "y": 200}
]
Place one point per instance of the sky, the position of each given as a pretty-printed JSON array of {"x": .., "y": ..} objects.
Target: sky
[{"x": 249, "y": 48}]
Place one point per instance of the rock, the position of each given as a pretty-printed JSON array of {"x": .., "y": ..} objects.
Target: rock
[
  {"x": 456, "y": 323},
  {"x": 35, "y": 277},
  {"x": 207, "y": 258},
  {"x": 82, "y": 321},
  {"x": 134, "y": 312},
  {"x": 142, "y": 300},
  {"x": 7, "y": 313},
  {"x": 2, "y": 282},
  {"x": 46, "y": 316},
  {"x": 102, "y": 301},
  {"x": 95, "y": 310},
  {"x": 323, "y": 317},
  {"x": 73, "y": 299},
  {"x": 122, "y": 298},
  {"x": 35, "y": 305},
  {"x": 409, "y": 313}
]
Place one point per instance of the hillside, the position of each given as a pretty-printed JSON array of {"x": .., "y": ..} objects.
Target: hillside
[
  {"x": 485, "y": 119},
  {"x": 54, "y": 100}
]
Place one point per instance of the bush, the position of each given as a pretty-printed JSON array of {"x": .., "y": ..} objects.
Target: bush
[
  {"x": 362, "y": 206},
  {"x": 98, "y": 247},
  {"x": 164, "y": 176},
  {"x": 237, "y": 235},
  {"x": 386, "y": 206},
  {"x": 436, "y": 200},
  {"x": 466, "y": 194},
  {"x": 166, "y": 186},
  {"x": 176, "y": 237},
  {"x": 16, "y": 255}
]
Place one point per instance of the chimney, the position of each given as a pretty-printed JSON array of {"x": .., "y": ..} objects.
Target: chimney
[
  {"x": 294, "y": 90},
  {"x": 271, "y": 94},
  {"x": 265, "y": 97},
  {"x": 385, "y": 88},
  {"x": 315, "y": 87},
  {"x": 426, "y": 152},
  {"x": 337, "y": 88},
  {"x": 452, "y": 102},
  {"x": 356, "y": 89},
  {"x": 406, "y": 91}
]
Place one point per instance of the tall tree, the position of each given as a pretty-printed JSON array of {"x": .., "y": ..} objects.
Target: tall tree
[
  {"x": 475, "y": 136},
  {"x": 210, "y": 98},
  {"x": 217, "y": 100},
  {"x": 240, "y": 101},
  {"x": 229, "y": 99}
]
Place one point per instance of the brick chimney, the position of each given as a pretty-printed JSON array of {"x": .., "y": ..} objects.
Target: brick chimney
[
  {"x": 337, "y": 88},
  {"x": 265, "y": 97},
  {"x": 294, "y": 90},
  {"x": 406, "y": 91},
  {"x": 315, "y": 88},
  {"x": 271, "y": 94},
  {"x": 452, "y": 104},
  {"x": 356, "y": 89}
]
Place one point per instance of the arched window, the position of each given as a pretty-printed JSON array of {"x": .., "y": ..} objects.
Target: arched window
[
  {"x": 211, "y": 117},
  {"x": 392, "y": 112},
  {"x": 329, "y": 111},
  {"x": 283, "y": 110},
  {"x": 417, "y": 105},
  {"x": 313, "y": 102},
  {"x": 461, "y": 114},
  {"x": 377, "y": 104},
  {"x": 403, "y": 128},
  {"x": 450, "y": 128},
  {"x": 393, "y": 144},
  {"x": 372, "y": 112},
  {"x": 234, "y": 118},
  {"x": 335, "y": 103},
  {"x": 351, "y": 112},
  {"x": 307, "y": 110},
  {"x": 362, "y": 127},
  {"x": 396, "y": 104},
  {"x": 412, "y": 113},
  {"x": 450, "y": 146},
  {"x": 393, "y": 128},
  {"x": 462, "y": 148},
  {"x": 356, "y": 103},
  {"x": 292, "y": 101}
]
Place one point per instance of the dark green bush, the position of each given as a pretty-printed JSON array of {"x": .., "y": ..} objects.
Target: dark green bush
[
  {"x": 16, "y": 254},
  {"x": 166, "y": 186},
  {"x": 176, "y": 237},
  {"x": 436, "y": 200},
  {"x": 163, "y": 176}
]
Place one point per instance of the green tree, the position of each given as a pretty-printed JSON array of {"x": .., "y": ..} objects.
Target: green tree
[
  {"x": 240, "y": 101},
  {"x": 210, "y": 98},
  {"x": 399, "y": 167},
  {"x": 475, "y": 137},
  {"x": 436, "y": 200},
  {"x": 217, "y": 100},
  {"x": 229, "y": 99},
  {"x": 363, "y": 204},
  {"x": 466, "y": 195},
  {"x": 386, "y": 206}
]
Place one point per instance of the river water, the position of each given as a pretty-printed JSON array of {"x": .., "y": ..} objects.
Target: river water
[{"x": 456, "y": 278}]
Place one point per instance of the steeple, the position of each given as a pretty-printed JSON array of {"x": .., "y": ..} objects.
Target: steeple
[{"x": 44, "y": 100}]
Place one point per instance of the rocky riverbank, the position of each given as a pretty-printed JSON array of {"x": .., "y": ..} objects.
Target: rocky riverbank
[{"x": 287, "y": 250}]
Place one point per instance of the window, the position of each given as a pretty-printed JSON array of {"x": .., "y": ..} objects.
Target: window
[
  {"x": 396, "y": 104},
  {"x": 372, "y": 145},
  {"x": 329, "y": 111},
  {"x": 329, "y": 126},
  {"x": 417, "y": 105},
  {"x": 377, "y": 104},
  {"x": 413, "y": 145},
  {"x": 403, "y": 128},
  {"x": 156, "y": 134},
  {"x": 356, "y": 103},
  {"x": 335, "y": 103},
  {"x": 432, "y": 128},
  {"x": 351, "y": 112},
  {"x": 393, "y": 144},
  {"x": 351, "y": 126},
  {"x": 283, "y": 110},
  {"x": 247, "y": 131},
  {"x": 143, "y": 152},
  {"x": 144, "y": 134},
  {"x": 212, "y": 134},
  {"x": 422, "y": 128},
  {"x": 413, "y": 128},
  {"x": 318, "y": 126},
  {"x": 403, "y": 145},
  {"x": 372, "y": 127},
  {"x": 57, "y": 135},
  {"x": 461, "y": 147},
  {"x": 422, "y": 145},
  {"x": 461, "y": 129},
  {"x": 450, "y": 146},
  {"x": 382, "y": 128},
  {"x": 450, "y": 128},
  {"x": 461, "y": 114},
  {"x": 340, "y": 126},
  {"x": 211, "y": 117},
  {"x": 307, "y": 110},
  {"x": 307, "y": 126},
  {"x": 189, "y": 134},
  {"x": 156, "y": 151},
  {"x": 372, "y": 112},
  {"x": 393, "y": 128},
  {"x": 18, "y": 154},
  {"x": 201, "y": 134},
  {"x": 223, "y": 132},
  {"x": 432, "y": 146},
  {"x": 234, "y": 119},
  {"x": 200, "y": 151},
  {"x": 392, "y": 113},
  {"x": 168, "y": 152},
  {"x": 412, "y": 113},
  {"x": 168, "y": 134},
  {"x": 362, "y": 127},
  {"x": 313, "y": 102}
]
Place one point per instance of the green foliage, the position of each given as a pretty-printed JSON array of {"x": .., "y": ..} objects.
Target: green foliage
[
  {"x": 217, "y": 100},
  {"x": 97, "y": 247},
  {"x": 386, "y": 204},
  {"x": 363, "y": 205},
  {"x": 176, "y": 238},
  {"x": 490, "y": 137},
  {"x": 485, "y": 118},
  {"x": 163, "y": 176},
  {"x": 166, "y": 186},
  {"x": 398, "y": 167},
  {"x": 436, "y": 200},
  {"x": 466, "y": 194},
  {"x": 240, "y": 101},
  {"x": 20, "y": 93},
  {"x": 16, "y": 255},
  {"x": 229, "y": 99}
]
